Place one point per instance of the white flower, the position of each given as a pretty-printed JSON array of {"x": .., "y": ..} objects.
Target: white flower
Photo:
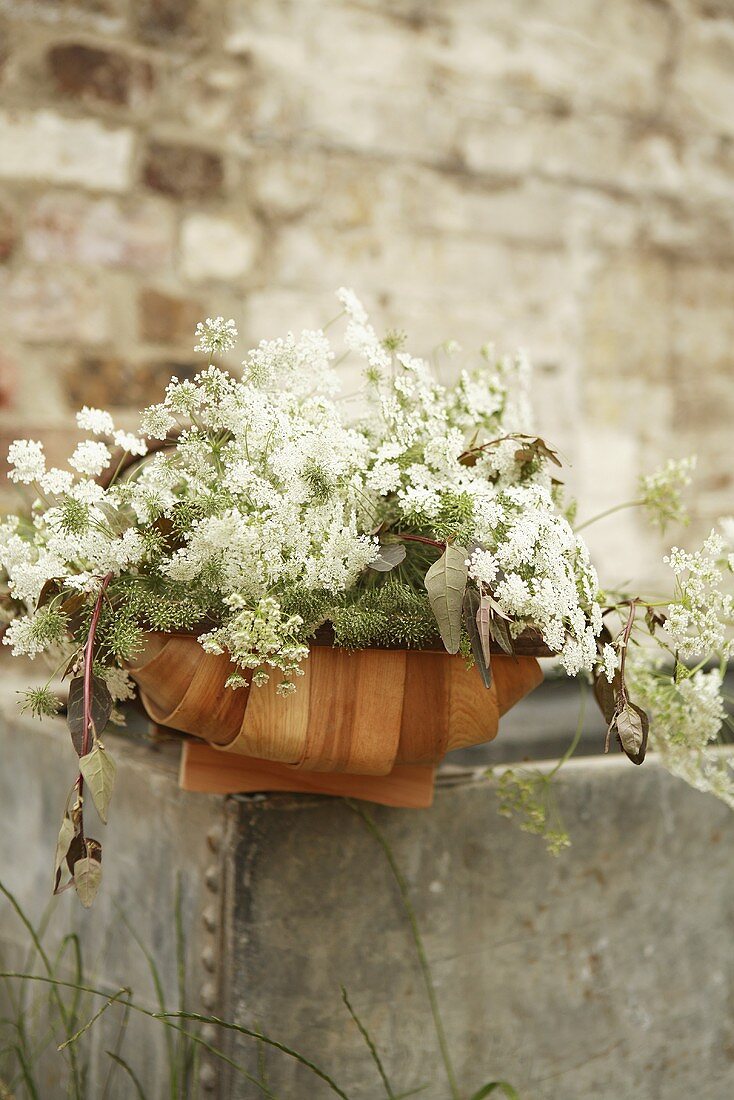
[
  {"x": 661, "y": 491},
  {"x": 96, "y": 421},
  {"x": 483, "y": 567},
  {"x": 157, "y": 422},
  {"x": 133, "y": 444},
  {"x": 609, "y": 662},
  {"x": 56, "y": 481},
  {"x": 352, "y": 305},
  {"x": 215, "y": 335},
  {"x": 91, "y": 458},
  {"x": 701, "y": 616},
  {"x": 28, "y": 461}
]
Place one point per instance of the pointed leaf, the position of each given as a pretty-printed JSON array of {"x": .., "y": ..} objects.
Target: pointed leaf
[
  {"x": 49, "y": 590},
  {"x": 67, "y": 833},
  {"x": 501, "y": 634},
  {"x": 101, "y": 709},
  {"x": 388, "y": 557},
  {"x": 607, "y": 694},
  {"x": 445, "y": 583},
  {"x": 470, "y": 608},
  {"x": 87, "y": 879},
  {"x": 118, "y": 519},
  {"x": 98, "y": 769},
  {"x": 632, "y": 729},
  {"x": 483, "y": 619}
]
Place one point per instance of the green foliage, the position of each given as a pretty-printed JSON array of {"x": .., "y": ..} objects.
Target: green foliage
[
  {"x": 40, "y": 702},
  {"x": 389, "y": 614},
  {"x": 157, "y": 604},
  {"x": 526, "y": 794},
  {"x": 313, "y": 606},
  {"x": 455, "y": 518}
]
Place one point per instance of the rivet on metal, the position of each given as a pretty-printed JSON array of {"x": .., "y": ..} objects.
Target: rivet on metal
[
  {"x": 208, "y": 1078},
  {"x": 208, "y": 959},
  {"x": 211, "y": 878},
  {"x": 209, "y": 995},
  {"x": 209, "y": 1033},
  {"x": 210, "y": 918},
  {"x": 214, "y": 838}
]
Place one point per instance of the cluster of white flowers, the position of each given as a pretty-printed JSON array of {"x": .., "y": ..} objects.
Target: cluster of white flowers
[
  {"x": 274, "y": 497},
  {"x": 260, "y": 637},
  {"x": 661, "y": 491},
  {"x": 27, "y": 461},
  {"x": 701, "y": 617},
  {"x": 686, "y": 718},
  {"x": 215, "y": 335}
]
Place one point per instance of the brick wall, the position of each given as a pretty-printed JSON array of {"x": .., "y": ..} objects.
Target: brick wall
[{"x": 547, "y": 173}]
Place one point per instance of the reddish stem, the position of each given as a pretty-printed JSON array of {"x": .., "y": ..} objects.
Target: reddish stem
[
  {"x": 625, "y": 641},
  {"x": 421, "y": 538},
  {"x": 88, "y": 664}
]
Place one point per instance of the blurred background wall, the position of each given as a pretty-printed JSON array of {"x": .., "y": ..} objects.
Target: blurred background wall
[{"x": 548, "y": 173}]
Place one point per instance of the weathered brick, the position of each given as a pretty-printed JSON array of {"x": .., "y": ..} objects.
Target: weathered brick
[
  {"x": 8, "y": 380},
  {"x": 113, "y": 382},
  {"x": 44, "y": 145},
  {"x": 216, "y": 248},
  {"x": 52, "y": 307},
  {"x": 108, "y": 16},
  {"x": 91, "y": 74},
  {"x": 73, "y": 228},
  {"x": 183, "y": 171},
  {"x": 166, "y": 319},
  {"x": 8, "y": 233},
  {"x": 163, "y": 22}
]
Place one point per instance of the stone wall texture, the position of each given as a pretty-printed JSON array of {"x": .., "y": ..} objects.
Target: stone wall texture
[{"x": 543, "y": 173}]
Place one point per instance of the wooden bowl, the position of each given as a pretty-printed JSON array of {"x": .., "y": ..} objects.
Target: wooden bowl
[{"x": 359, "y": 713}]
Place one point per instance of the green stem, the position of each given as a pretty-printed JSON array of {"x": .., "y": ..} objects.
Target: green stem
[
  {"x": 609, "y": 512},
  {"x": 168, "y": 1022},
  {"x": 56, "y": 996},
  {"x": 418, "y": 941},
  {"x": 577, "y": 735}
]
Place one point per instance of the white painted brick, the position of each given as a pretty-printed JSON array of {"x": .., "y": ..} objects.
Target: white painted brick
[
  {"x": 217, "y": 248},
  {"x": 47, "y": 146}
]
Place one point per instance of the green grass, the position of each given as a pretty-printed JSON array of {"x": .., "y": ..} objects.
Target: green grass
[{"x": 52, "y": 1013}]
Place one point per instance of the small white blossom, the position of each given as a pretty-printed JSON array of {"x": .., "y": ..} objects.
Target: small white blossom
[
  {"x": 96, "y": 421},
  {"x": 483, "y": 567},
  {"x": 56, "y": 481},
  {"x": 157, "y": 422},
  {"x": 133, "y": 444},
  {"x": 91, "y": 458},
  {"x": 609, "y": 662},
  {"x": 215, "y": 335},
  {"x": 27, "y": 460}
]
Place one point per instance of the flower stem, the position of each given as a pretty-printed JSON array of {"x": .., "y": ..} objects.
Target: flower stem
[
  {"x": 421, "y": 538},
  {"x": 88, "y": 664},
  {"x": 609, "y": 512},
  {"x": 417, "y": 940}
]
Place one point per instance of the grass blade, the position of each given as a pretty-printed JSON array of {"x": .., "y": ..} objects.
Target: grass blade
[
  {"x": 26, "y": 1074},
  {"x": 56, "y": 996},
  {"x": 417, "y": 940},
  {"x": 487, "y": 1090},
  {"x": 161, "y": 999},
  {"x": 370, "y": 1045},
  {"x": 90, "y": 1023},
  {"x": 282, "y": 1047},
  {"x": 121, "y": 1033},
  {"x": 164, "y": 1018},
  {"x": 129, "y": 1071}
]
